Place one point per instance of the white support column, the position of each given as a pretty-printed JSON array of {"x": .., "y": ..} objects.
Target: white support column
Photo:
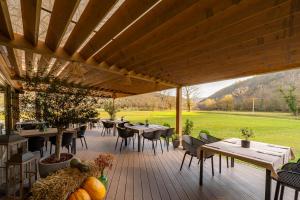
[{"x": 179, "y": 114}]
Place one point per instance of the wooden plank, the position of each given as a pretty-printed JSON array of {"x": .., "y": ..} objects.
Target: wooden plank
[
  {"x": 89, "y": 19},
  {"x": 125, "y": 15},
  {"x": 31, "y": 11},
  {"x": 266, "y": 22},
  {"x": 121, "y": 190},
  {"x": 5, "y": 22},
  {"x": 61, "y": 17},
  {"x": 222, "y": 15},
  {"x": 162, "y": 12},
  {"x": 130, "y": 190}
]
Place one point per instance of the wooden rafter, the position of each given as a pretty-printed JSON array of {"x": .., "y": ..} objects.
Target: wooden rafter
[
  {"x": 14, "y": 61},
  {"x": 21, "y": 43},
  {"x": 42, "y": 65},
  {"x": 125, "y": 15},
  {"x": 56, "y": 67},
  {"x": 5, "y": 23},
  {"x": 90, "y": 18},
  {"x": 31, "y": 12}
]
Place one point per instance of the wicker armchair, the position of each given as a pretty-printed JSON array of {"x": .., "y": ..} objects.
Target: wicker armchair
[
  {"x": 288, "y": 176},
  {"x": 211, "y": 139},
  {"x": 191, "y": 146},
  {"x": 167, "y": 134},
  {"x": 107, "y": 127},
  {"x": 154, "y": 137},
  {"x": 124, "y": 134}
]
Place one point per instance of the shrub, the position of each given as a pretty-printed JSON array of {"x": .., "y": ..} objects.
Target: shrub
[
  {"x": 166, "y": 125},
  {"x": 188, "y": 128},
  {"x": 204, "y": 131}
]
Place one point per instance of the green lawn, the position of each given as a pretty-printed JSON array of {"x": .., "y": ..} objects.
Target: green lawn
[{"x": 276, "y": 128}]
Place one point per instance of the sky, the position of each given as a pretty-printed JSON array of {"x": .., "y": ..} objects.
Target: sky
[{"x": 207, "y": 89}]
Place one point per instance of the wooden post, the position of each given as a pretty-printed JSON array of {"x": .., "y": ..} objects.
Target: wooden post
[
  {"x": 16, "y": 108},
  {"x": 8, "y": 111},
  {"x": 179, "y": 114}
]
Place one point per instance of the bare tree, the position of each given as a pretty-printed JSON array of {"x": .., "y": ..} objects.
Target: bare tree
[
  {"x": 164, "y": 98},
  {"x": 189, "y": 93}
]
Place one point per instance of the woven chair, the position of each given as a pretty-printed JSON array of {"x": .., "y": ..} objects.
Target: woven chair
[
  {"x": 153, "y": 137},
  {"x": 124, "y": 134},
  {"x": 36, "y": 144},
  {"x": 288, "y": 176},
  {"x": 107, "y": 126},
  {"x": 81, "y": 135},
  {"x": 191, "y": 146},
  {"x": 167, "y": 135},
  {"x": 211, "y": 139}
]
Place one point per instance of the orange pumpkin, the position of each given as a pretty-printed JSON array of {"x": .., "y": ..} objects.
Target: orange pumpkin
[
  {"x": 95, "y": 188},
  {"x": 80, "y": 194}
]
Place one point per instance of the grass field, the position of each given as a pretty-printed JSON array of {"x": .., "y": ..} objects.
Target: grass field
[{"x": 276, "y": 128}]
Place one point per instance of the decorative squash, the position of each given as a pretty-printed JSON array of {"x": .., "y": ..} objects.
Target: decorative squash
[
  {"x": 80, "y": 194},
  {"x": 95, "y": 188},
  {"x": 76, "y": 163}
]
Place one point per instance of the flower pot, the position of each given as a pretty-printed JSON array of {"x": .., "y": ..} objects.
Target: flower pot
[
  {"x": 175, "y": 144},
  {"x": 245, "y": 143},
  {"x": 46, "y": 169}
]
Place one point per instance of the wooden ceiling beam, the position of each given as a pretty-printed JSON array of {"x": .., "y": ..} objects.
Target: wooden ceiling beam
[
  {"x": 5, "y": 22},
  {"x": 61, "y": 17},
  {"x": 154, "y": 18},
  {"x": 31, "y": 12},
  {"x": 88, "y": 21},
  {"x": 21, "y": 43},
  {"x": 42, "y": 65},
  {"x": 124, "y": 16},
  {"x": 7, "y": 74}
]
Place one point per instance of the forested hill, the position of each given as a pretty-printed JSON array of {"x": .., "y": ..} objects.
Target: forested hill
[{"x": 263, "y": 88}]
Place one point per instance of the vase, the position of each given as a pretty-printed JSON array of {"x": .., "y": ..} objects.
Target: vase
[{"x": 104, "y": 180}]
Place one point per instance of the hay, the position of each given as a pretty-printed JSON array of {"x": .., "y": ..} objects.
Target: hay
[{"x": 61, "y": 184}]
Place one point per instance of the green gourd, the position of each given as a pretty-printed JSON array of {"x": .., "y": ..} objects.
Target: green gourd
[{"x": 76, "y": 163}]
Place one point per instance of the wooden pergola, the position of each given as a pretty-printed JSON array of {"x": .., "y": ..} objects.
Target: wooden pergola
[{"x": 120, "y": 48}]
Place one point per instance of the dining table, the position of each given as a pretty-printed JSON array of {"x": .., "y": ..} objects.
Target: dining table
[
  {"x": 140, "y": 129},
  {"x": 49, "y": 132},
  {"x": 268, "y": 156}
]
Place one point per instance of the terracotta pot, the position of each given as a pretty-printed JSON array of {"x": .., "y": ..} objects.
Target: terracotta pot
[
  {"x": 46, "y": 169},
  {"x": 245, "y": 143},
  {"x": 175, "y": 144}
]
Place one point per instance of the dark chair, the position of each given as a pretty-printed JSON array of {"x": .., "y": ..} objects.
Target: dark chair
[
  {"x": 191, "y": 146},
  {"x": 66, "y": 141},
  {"x": 124, "y": 134},
  {"x": 81, "y": 135},
  {"x": 211, "y": 139},
  {"x": 140, "y": 123},
  {"x": 107, "y": 126},
  {"x": 36, "y": 144},
  {"x": 153, "y": 137},
  {"x": 122, "y": 124},
  {"x": 167, "y": 134},
  {"x": 29, "y": 126},
  {"x": 288, "y": 176}
]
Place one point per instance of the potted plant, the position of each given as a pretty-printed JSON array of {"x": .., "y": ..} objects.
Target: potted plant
[
  {"x": 60, "y": 106},
  {"x": 111, "y": 109},
  {"x": 175, "y": 140},
  {"x": 246, "y": 133},
  {"x": 146, "y": 122},
  {"x": 188, "y": 128}
]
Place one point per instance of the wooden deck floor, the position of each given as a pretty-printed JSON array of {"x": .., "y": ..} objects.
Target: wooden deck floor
[{"x": 137, "y": 176}]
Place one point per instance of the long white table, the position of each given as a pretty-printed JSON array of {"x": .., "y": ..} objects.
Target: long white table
[
  {"x": 140, "y": 129},
  {"x": 268, "y": 156}
]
